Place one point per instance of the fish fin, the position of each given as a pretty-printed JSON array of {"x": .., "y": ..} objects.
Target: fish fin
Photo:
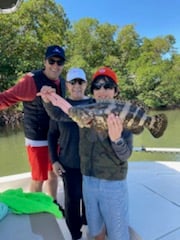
[
  {"x": 135, "y": 102},
  {"x": 137, "y": 130},
  {"x": 140, "y": 104},
  {"x": 160, "y": 123}
]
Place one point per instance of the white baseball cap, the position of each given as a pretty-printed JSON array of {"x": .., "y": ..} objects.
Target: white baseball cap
[{"x": 75, "y": 73}]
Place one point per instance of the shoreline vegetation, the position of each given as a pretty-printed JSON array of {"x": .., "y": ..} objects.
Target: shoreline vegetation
[{"x": 13, "y": 117}]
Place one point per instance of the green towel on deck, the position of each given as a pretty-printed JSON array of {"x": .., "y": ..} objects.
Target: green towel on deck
[{"x": 20, "y": 202}]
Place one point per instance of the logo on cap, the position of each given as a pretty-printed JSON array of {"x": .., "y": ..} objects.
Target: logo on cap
[
  {"x": 55, "y": 50},
  {"x": 102, "y": 70}
]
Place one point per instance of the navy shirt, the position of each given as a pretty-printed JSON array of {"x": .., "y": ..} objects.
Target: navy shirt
[{"x": 65, "y": 132}]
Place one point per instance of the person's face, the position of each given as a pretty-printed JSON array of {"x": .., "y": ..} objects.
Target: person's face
[
  {"x": 53, "y": 67},
  {"x": 76, "y": 88},
  {"x": 103, "y": 89}
]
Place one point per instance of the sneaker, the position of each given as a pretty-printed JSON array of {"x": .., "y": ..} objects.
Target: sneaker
[
  {"x": 85, "y": 232},
  {"x": 60, "y": 207}
]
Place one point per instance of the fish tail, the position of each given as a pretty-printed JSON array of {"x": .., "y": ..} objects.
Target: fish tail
[{"x": 157, "y": 125}]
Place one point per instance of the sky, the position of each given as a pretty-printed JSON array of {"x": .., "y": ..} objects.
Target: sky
[{"x": 152, "y": 18}]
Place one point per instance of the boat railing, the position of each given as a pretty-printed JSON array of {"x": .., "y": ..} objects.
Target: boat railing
[{"x": 161, "y": 150}]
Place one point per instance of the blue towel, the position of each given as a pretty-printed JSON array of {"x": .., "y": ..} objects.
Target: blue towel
[{"x": 3, "y": 210}]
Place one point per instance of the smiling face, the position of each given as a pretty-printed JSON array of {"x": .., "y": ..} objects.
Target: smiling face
[
  {"x": 76, "y": 88},
  {"x": 53, "y": 67},
  {"x": 103, "y": 88}
]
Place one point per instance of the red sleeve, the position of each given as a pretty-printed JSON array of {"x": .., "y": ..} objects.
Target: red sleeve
[{"x": 24, "y": 90}]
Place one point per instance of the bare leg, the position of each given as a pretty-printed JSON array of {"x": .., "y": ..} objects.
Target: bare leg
[
  {"x": 36, "y": 186},
  {"x": 102, "y": 235},
  {"x": 52, "y": 184}
]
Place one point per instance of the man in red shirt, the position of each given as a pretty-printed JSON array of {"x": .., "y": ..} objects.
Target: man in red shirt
[{"x": 36, "y": 120}]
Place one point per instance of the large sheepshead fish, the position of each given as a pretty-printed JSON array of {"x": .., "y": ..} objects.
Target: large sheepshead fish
[{"x": 134, "y": 116}]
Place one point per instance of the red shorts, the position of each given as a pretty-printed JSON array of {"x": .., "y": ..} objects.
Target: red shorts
[{"x": 39, "y": 161}]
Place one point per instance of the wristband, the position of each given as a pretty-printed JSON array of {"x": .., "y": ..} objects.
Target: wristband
[{"x": 119, "y": 141}]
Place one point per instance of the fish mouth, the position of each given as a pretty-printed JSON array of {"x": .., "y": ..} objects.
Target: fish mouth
[{"x": 88, "y": 122}]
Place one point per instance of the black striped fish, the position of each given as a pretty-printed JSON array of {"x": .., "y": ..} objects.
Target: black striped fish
[{"x": 134, "y": 117}]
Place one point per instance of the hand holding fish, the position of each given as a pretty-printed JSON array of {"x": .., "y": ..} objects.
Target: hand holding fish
[
  {"x": 115, "y": 127},
  {"x": 49, "y": 94},
  {"x": 45, "y": 93},
  {"x": 60, "y": 102}
]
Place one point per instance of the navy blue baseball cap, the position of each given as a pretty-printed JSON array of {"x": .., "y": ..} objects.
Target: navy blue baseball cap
[{"x": 55, "y": 50}]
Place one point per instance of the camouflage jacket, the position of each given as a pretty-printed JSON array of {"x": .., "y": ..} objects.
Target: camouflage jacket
[{"x": 102, "y": 158}]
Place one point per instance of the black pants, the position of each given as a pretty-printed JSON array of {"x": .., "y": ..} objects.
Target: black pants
[{"x": 74, "y": 205}]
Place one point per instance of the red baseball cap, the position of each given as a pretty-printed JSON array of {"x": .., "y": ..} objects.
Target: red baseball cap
[{"x": 105, "y": 71}]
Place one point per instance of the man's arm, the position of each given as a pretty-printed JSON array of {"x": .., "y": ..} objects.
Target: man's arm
[{"x": 24, "y": 90}]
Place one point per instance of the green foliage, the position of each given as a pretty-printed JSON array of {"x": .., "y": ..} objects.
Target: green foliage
[
  {"x": 26, "y": 34},
  {"x": 147, "y": 69}
]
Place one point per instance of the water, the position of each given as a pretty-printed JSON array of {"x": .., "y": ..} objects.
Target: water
[{"x": 13, "y": 158}]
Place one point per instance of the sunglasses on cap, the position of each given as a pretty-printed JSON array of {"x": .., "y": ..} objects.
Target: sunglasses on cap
[
  {"x": 77, "y": 80},
  {"x": 59, "y": 62},
  {"x": 105, "y": 85}
]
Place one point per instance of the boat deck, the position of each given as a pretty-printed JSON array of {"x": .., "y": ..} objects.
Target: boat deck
[
  {"x": 154, "y": 195},
  {"x": 154, "y": 199}
]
